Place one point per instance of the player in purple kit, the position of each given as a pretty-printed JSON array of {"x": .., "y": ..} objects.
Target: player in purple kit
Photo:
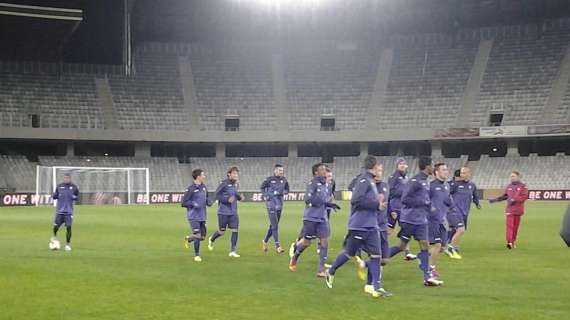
[
  {"x": 65, "y": 193},
  {"x": 464, "y": 192},
  {"x": 382, "y": 218},
  {"x": 315, "y": 223},
  {"x": 363, "y": 228},
  {"x": 413, "y": 219},
  {"x": 441, "y": 204},
  {"x": 396, "y": 183},
  {"x": 331, "y": 188},
  {"x": 228, "y": 197},
  {"x": 273, "y": 189},
  {"x": 195, "y": 200}
]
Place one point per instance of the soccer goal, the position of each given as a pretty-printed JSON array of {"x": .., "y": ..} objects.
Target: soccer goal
[{"x": 97, "y": 185}]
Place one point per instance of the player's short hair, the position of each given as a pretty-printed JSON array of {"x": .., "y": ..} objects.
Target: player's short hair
[
  {"x": 438, "y": 165},
  {"x": 232, "y": 169},
  {"x": 369, "y": 162},
  {"x": 315, "y": 167},
  {"x": 424, "y": 162},
  {"x": 457, "y": 173},
  {"x": 517, "y": 173},
  {"x": 196, "y": 173},
  {"x": 277, "y": 165},
  {"x": 328, "y": 169}
]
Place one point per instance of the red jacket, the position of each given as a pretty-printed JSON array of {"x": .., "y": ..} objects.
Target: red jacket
[{"x": 516, "y": 194}]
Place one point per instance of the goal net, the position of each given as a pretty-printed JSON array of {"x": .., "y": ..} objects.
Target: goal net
[{"x": 97, "y": 185}]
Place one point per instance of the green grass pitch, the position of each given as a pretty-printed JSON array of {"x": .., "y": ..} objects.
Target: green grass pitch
[{"x": 128, "y": 262}]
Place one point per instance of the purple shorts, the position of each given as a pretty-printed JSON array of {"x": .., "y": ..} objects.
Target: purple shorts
[
  {"x": 368, "y": 241},
  {"x": 225, "y": 221},
  {"x": 408, "y": 230},
  {"x": 455, "y": 220},
  {"x": 63, "y": 218},
  {"x": 198, "y": 227},
  {"x": 313, "y": 230},
  {"x": 437, "y": 233}
]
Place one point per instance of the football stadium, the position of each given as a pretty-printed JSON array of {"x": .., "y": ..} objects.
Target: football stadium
[{"x": 284, "y": 159}]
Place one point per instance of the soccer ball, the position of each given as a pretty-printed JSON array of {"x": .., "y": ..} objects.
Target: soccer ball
[{"x": 54, "y": 245}]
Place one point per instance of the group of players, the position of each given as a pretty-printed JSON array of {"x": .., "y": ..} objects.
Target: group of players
[{"x": 428, "y": 207}]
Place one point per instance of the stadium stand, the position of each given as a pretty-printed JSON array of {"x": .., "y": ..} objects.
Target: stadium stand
[
  {"x": 234, "y": 82},
  {"x": 427, "y": 84},
  {"x": 166, "y": 174},
  {"x": 152, "y": 98},
  {"x": 519, "y": 77},
  {"x": 329, "y": 81},
  {"x": 254, "y": 170},
  {"x": 494, "y": 172},
  {"x": 60, "y": 100}
]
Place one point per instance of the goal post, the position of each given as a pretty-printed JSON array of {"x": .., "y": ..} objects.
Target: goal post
[{"x": 97, "y": 185}]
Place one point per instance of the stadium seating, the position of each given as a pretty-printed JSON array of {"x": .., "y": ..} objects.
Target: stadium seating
[
  {"x": 166, "y": 174},
  {"x": 18, "y": 174},
  {"x": 254, "y": 170},
  {"x": 519, "y": 77},
  {"x": 427, "y": 83},
  {"x": 152, "y": 98},
  {"x": 425, "y": 89},
  {"x": 329, "y": 81},
  {"x": 495, "y": 172},
  {"x": 61, "y": 101},
  {"x": 236, "y": 83}
]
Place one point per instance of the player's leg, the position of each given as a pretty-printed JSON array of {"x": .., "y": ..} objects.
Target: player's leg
[
  {"x": 517, "y": 222},
  {"x": 309, "y": 233},
  {"x": 323, "y": 232},
  {"x": 274, "y": 220},
  {"x": 276, "y": 238},
  {"x": 68, "y": 224},
  {"x": 222, "y": 224},
  {"x": 233, "y": 224},
  {"x": 59, "y": 219},
  {"x": 404, "y": 235},
  {"x": 510, "y": 224},
  {"x": 270, "y": 213},
  {"x": 436, "y": 234},
  {"x": 453, "y": 248},
  {"x": 354, "y": 241},
  {"x": 372, "y": 245}
]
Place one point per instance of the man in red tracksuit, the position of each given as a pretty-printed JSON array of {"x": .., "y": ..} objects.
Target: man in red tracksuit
[{"x": 515, "y": 194}]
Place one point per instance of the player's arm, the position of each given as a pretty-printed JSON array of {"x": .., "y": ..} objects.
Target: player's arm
[
  {"x": 75, "y": 194},
  {"x": 312, "y": 197},
  {"x": 221, "y": 195},
  {"x": 360, "y": 200},
  {"x": 264, "y": 188},
  {"x": 286, "y": 187},
  {"x": 476, "y": 197},
  {"x": 187, "y": 199},
  {"x": 502, "y": 197},
  {"x": 209, "y": 201},
  {"x": 55, "y": 195}
]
